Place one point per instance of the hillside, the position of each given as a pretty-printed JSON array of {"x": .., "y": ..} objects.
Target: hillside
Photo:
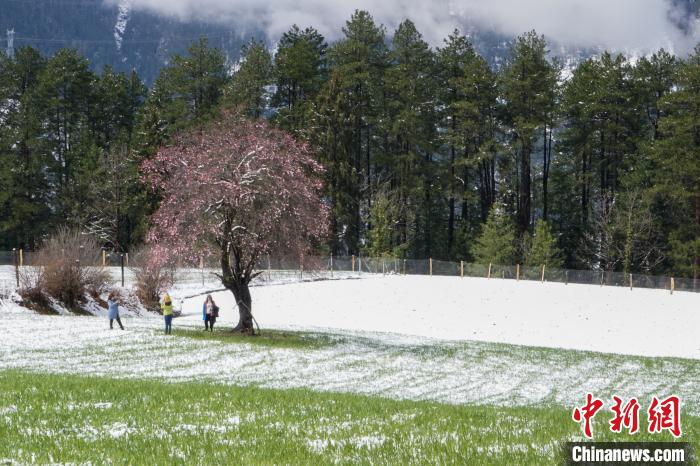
[
  {"x": 109, "y": 35},
  {"x": 128, "y": 38}
]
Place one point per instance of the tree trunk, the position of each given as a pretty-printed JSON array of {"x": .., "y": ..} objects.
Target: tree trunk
[
  {"x": 235, "y": 279},
  {"x": 451, "y": 202},
  {"x": 524, "y": 189},
  {"x": 696, "y": 258},
  {"x": 241, "y": 293},
  {"x": 547, "y": 154}
]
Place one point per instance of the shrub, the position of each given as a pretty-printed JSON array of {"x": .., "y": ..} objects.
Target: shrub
[
  {"x": 152, "y": 277},
  {"x": 64, "y": 268}
]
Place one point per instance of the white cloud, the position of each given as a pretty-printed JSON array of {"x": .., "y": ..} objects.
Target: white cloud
[{"x": 643, "y": 25}]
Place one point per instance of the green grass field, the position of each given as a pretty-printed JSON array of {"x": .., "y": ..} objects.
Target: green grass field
[
  {"x": 268, "y": 337},
  {"x": 80, "y": 419}
]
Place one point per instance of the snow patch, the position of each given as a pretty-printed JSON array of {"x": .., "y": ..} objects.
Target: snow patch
[
  {"x": 122, "y": 20},
  {"x": 119, "y": 429}
]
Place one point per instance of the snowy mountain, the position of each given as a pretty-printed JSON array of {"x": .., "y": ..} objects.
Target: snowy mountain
[{"x": 118, "y": 34}]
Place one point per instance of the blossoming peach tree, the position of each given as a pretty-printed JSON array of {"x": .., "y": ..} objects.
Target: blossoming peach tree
[{"x": 238, "y": 191}]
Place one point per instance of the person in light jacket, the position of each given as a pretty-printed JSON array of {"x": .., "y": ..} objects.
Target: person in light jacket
[
  {"x": 167, "y": 308},
  {"x": 210, "y": 311},
  {"x": 113, "y": 311}
]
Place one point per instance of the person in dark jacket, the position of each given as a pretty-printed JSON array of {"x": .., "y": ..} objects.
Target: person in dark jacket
[
  {"x": 210, "y": 311},
  {"x": 113, "y": 311}
]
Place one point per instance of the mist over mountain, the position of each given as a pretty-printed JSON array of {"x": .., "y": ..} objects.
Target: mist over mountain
[
  {"x": 111, "y": 34},
  {"x": 144, "y": 34}
]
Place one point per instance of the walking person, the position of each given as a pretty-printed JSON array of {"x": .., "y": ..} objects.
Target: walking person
[
  {"x": 210, "y": 311},
  {"x": 113, "y": 311},
  {"x": 167, "y": 308}
]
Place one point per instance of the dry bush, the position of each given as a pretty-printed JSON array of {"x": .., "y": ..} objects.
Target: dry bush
[
  {"x": 152, "y": 277},
  {"x": 65, "y": 268}
]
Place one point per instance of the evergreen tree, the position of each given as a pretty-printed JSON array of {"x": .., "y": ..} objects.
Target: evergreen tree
[
  {"x": 118, "y": 100},
  {"x": 300, "y": 70},
  {"x": 542, "y": 248},
  {"x": 469, "y": 124},
  {"x": 248, "y": 88},
  {"x": 333, "y": 140},
  {"x": 66, "y": 99},
  {"x": 383, "y": 216},
  {"x": 24, "y": 186},
  {"x": 529, "y": 88},
  {"x": 350, "y": 100},
  {"x": 188, "y": 91},
  {"x": 496, "y": 243},
  {"x": 603, "y": 131},
  {"x": 410, "y": 120},
  {"x": 677, "y": 153}
]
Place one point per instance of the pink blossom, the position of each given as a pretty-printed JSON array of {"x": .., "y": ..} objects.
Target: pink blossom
[{"x": 240, "y": 188}]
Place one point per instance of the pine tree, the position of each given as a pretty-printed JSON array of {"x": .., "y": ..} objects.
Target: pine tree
[
  {"x": 118, "y": 99},
  {"x": 66, "y": 99},
  {"x": 496, "y": 243},
  {"x": 349, "y": 103},
  {"x": 529, "y": 88},
  {"x": 188, "y": 91},
  {"x": 469, "y": 131},
  {"x": 334, "y": 143},
  {"x": 677, "y": 153},
  {"x": 300, "y": 70},
  {"x": 603, "y": 110},
  {"x": 248, "y": 88},
  {"x": 382, "y": 236},
  {"x": 24, "y": 187},
  {"x": 410, "y": 89},
  {"x": 542, "y": 248}
]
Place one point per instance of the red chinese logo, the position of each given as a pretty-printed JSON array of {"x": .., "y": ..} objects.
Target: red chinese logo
[
  {"x": 586, "y": 413},
  {"x": 626, "y": 416},
  {"x": 665, "y": 415}
]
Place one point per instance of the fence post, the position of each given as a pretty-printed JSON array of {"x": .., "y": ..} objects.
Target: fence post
[
  {"x": 104, "y": 258},
  {"x": 122, "y": 264},
  {"x": 359, "y": 265},
  {"x": 353, "y": 262},
  {"x": 517, "y": 272},
  {"x": 21, "y": 257},
  {"x": 543, "y": 267},
  {"x": 673, "y": 284},
  {"x": 461, "y": 269},
  {"x": 602, "y": 277},
  {"x": 15, "y": 260},
  {"x": 630, "y": 282},
  {"x": 331, "y": 265},
  {"x": 566, "y": 277},
  {"x": 488, "y": 274},
  {"x": 383, "y": 266},
  {"x": 404, "y": 266},
  {"x": 431, "y": 266}
]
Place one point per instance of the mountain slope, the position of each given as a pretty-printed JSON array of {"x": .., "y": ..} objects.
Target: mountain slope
[{"x": 109, "y": 35}]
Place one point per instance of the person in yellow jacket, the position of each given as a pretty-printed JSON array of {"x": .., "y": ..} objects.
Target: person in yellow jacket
[{"x": 167, "y": 308}]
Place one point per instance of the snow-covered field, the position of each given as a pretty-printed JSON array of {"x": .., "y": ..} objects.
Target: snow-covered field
[
  {"x": 437, "y": 338},
  {"x": 607, "y": 319}
]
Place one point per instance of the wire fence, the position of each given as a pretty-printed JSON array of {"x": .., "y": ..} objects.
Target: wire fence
[{"x": 283, "y": 270}]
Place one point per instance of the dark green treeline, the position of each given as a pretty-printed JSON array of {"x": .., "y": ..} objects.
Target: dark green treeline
[{"x": 429, "y": 152}]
